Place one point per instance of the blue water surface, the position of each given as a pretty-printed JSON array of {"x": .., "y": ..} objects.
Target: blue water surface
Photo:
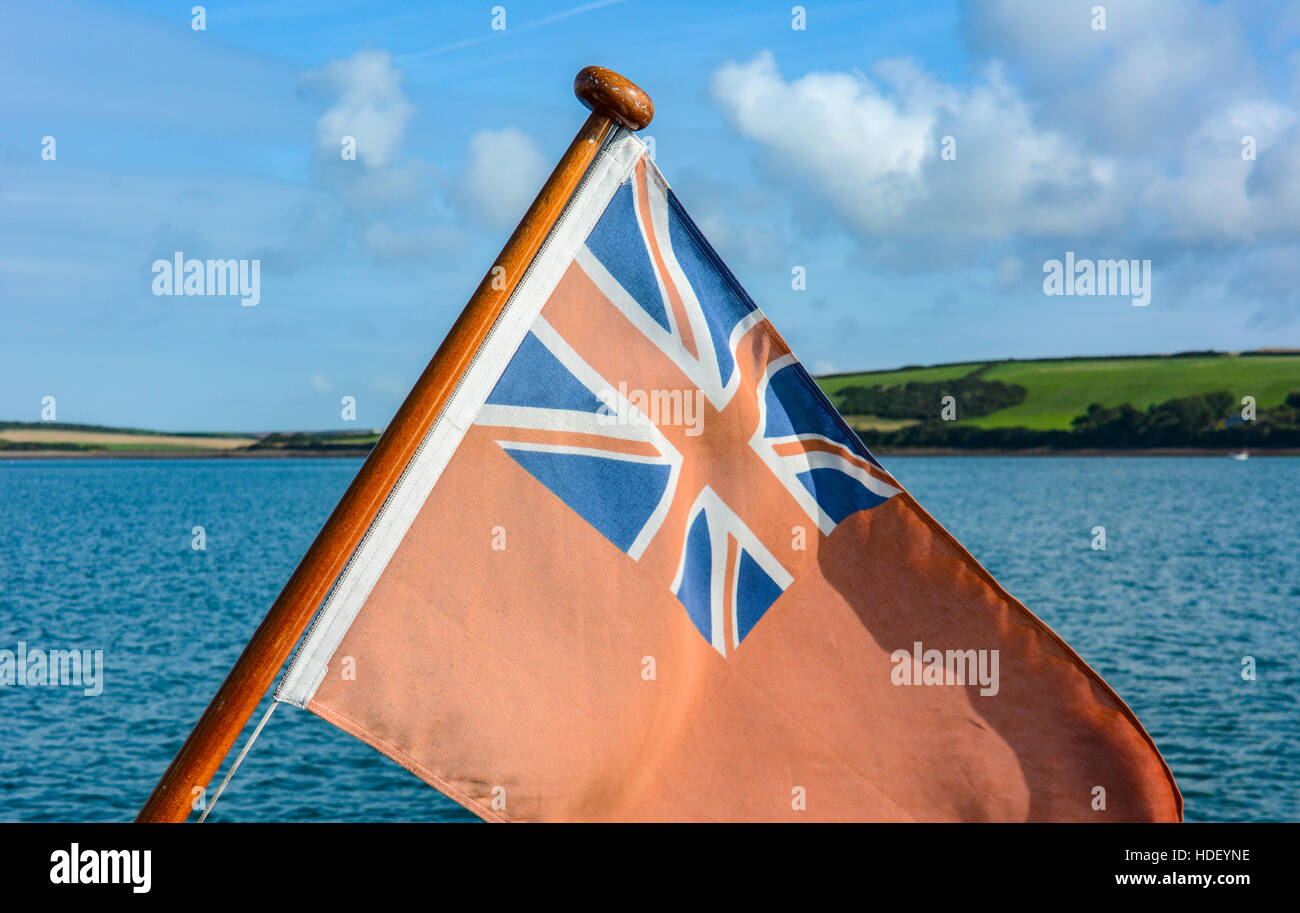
[{"x": 1201, "y": 568}]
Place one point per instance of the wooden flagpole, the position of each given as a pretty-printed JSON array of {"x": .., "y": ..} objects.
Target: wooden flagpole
[{"x": 611, "y": 99}]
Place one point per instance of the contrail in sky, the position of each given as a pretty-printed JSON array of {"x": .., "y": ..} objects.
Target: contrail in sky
[{"x": 527, "y": 26}]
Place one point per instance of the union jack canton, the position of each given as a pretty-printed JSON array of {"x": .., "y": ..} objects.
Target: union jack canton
[{"x": 725, "y": 502}]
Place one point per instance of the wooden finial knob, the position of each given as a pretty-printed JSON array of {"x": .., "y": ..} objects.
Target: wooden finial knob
[{"x": 606, "y": 92}]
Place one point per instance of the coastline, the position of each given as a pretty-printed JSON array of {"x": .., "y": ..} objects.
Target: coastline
[
  {"x": 361, "y": 452},
  {"x": 58, "y": 455},
  {"x": 1090, "y": 452}
]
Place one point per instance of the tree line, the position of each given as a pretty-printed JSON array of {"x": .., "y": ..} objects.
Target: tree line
[{"x": 1206, "y": 420}]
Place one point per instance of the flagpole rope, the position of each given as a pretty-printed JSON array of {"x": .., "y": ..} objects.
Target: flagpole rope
[{"x": 239, "y": 760}]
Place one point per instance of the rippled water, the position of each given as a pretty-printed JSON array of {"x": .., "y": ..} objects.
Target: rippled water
[{"x": 1202, "y": 567}]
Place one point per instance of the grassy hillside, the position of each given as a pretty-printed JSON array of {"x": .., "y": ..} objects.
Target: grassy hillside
[
  {"x": 317, "y": 441},
  {"x": 127, "y": 441},
  {"x": 1180, "y": 401},
  {"x": 1058, "y": 390},
  {"x": 833, "y": 383},
  {"x": 59, "y": 437}
]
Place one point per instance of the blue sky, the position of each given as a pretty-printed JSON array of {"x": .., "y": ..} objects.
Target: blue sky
[{"x": 817, "y": 148}]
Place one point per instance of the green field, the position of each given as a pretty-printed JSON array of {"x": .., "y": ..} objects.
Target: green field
[
  {"x": 1058, "y": 390},
  {"x": 1055, "y": 391},
  {"x": 58, "y": 437},
  {"x": 833, "y": 383}
]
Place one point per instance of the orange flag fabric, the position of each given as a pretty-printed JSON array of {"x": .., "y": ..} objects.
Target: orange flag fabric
[{"x": 640, "y": 569}]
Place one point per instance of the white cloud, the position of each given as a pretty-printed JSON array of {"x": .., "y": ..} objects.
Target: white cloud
[
  {"x": 504, "y": 173},
  {"x": 1167, "y": 91},
  {"x": 835, "y": 128},
  {"x": 1213, "y": 195},
  {"x": 370, "y": 106},
  {"x": 1144, "y": 82},
  {"x": 871, "y": 148}
]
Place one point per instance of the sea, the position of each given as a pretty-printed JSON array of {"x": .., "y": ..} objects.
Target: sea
[{"x": 1191, "y": 612}]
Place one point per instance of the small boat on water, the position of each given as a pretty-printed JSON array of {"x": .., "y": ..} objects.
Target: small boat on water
[{"x": 1243, "y": 455}]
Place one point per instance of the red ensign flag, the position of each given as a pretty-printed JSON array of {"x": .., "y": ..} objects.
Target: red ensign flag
[{"x": 640, "y": 569}]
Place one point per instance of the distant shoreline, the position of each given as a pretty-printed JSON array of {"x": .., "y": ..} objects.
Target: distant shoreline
[
  {"x": 359, "y": 453},
  {"x": 1105, "y": 406},
  {"x": 1090, "y": 452},
  {"x": 268, "y": 454}
]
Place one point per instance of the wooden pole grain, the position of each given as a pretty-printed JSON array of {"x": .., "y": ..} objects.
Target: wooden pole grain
[{"x": 611, "y": 99}]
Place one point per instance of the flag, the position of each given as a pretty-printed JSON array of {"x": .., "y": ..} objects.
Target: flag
[{"x": 640, "y": 569}]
